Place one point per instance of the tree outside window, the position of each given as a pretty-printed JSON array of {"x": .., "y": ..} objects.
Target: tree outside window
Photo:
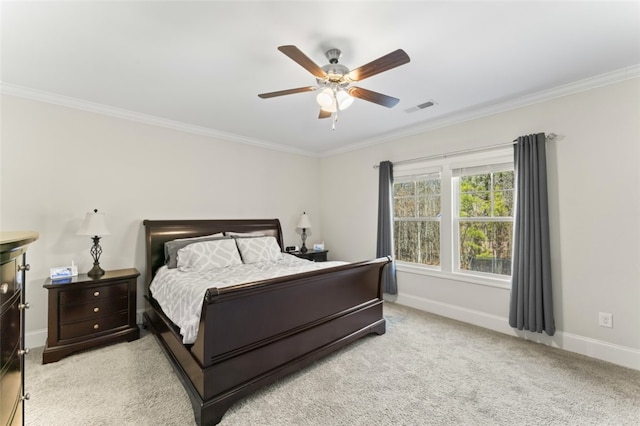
[
  {"x": 417, "y": 219},
  {"x": 485, "y": 220}
]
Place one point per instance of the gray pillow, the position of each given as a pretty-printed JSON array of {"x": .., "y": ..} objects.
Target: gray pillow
[{"x": 171, "y": 247}]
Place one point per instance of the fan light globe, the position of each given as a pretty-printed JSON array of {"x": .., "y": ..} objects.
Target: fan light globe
[
  {"x": 325, "y": 97},
  {"x": 344, "y": 99},
  {"x": 333, "y": 107}
]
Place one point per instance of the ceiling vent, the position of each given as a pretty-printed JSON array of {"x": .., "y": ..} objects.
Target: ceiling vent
[{"x": 423, "y": 105}]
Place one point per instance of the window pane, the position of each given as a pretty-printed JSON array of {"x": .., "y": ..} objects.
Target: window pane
[
  {"x": 404, "y": 207},
  {"x": 475, "y": 204},
  {"x": 429, "y": 206},
  {"x": 486, "y": 195},
  {"x": 486, "y": 247},
  {"x": 417, "y": 242},
  {"x": 503, "y": 180},
  {"x": 428, "y": 187},
  {"x": 503, "y": 204},
  {"x": 404, "y": 189},
  {"x": 475, "y": 183}
]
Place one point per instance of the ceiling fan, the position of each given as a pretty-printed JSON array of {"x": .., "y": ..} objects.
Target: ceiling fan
[{"x": 334, "y": 79}]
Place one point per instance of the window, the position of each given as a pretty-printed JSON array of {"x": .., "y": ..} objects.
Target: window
[
  {"x": 455, "y": 215},
  {"x": 416, "y": 206},
  {"x": 483, "y": 218}
]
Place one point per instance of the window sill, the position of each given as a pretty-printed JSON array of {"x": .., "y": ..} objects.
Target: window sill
[{"x": 466, "y": 278}]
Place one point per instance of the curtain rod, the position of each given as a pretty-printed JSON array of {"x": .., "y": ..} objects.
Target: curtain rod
[{"x": 550, "y": 136}]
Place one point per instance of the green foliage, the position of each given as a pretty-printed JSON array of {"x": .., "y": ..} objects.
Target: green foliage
[
  {"x": 485, "y": 196},
  {"x": 485, "y": 211}
]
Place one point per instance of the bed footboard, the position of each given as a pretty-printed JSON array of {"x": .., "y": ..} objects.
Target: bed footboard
[{"x": 254, "y": 334}]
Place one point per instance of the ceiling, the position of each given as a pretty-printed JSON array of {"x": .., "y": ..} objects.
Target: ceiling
[{"x": 199, "y": 66}]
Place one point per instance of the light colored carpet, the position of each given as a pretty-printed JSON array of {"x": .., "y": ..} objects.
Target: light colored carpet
[{"x": 426, "y": 370}]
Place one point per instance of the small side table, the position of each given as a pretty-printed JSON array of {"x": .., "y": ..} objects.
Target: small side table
[
  {"x": 86, "y": 312},
  {"x": 314, "y": 255}
]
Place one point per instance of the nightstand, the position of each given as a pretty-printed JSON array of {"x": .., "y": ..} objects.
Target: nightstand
[
  {"x": 86, "y": 312},
  {"x": 315, "y": 255}
]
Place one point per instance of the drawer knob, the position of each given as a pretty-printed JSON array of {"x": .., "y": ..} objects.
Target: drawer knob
[
  {"x": 24, "y": 267},
  {"x": 24, "y": 351},
  {"x": 22, "y": 306},
  {"x": 4, "y": 288},
  {"x": 96, "y": 293},
  {"x": 96, "y": 326},
  {"x": 96, "y": 309}
]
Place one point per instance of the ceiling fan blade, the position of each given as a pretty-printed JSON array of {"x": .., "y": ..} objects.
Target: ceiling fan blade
[
  {"x": 324, "y": 114},
  {"x": 375, "y": 97},
  {"x": 287, "y": 92},
  {"x": 303, "y": 60},
  {"x": 385, "y": 63}
]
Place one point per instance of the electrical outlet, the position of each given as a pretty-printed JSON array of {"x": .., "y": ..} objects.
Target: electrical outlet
[{"x": 605, "y": 319}]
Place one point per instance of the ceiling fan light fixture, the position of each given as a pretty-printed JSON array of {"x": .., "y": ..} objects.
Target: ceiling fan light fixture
[
  {"x": 325, "y": 98},
  {"x": 344, "y": 99},
  {"x": 333, "y": 80},
  {"x": 333, "y": 107}
]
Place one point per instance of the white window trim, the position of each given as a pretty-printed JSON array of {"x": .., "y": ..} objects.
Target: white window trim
[{"x": 449, "y": 258}]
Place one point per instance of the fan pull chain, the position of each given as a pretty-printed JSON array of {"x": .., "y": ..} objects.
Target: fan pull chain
[{"x": 335, "y": 120}]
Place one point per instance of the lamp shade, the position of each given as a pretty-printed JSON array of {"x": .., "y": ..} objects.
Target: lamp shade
[
  {"x": 304, "y": 221},
  {"x": 93, "y": 225}
]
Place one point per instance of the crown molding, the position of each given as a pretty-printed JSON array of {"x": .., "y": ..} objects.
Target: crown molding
[
  {"x": 79, "y": 104},
  {"x": 430, "y": 125},
  {"x": 496, "y": 108}
]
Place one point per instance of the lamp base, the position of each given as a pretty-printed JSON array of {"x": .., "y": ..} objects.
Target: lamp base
[
  {"x": 96, "y": 271},
  {"x": 303, "y": 249}
]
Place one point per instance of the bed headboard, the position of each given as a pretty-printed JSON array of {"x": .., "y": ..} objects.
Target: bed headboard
[{"x": 157, "y": 232}]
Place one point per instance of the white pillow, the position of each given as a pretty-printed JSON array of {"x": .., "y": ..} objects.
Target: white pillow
[
  {"x": 260, "y": 249},
  {"x": 208, "y": 255}
]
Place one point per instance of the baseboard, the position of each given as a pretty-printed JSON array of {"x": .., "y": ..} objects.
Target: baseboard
[
  {"x": 35, "y": 339},
  {"x": 616, "y": 354}
]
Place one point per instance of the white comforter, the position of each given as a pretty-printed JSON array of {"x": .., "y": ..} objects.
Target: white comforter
[{"x": 180, "y": 294}]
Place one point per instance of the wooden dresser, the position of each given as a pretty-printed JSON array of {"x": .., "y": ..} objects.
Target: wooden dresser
[
  {"x": 13, "y": 267},
  {"x": 86, "y": 312}
]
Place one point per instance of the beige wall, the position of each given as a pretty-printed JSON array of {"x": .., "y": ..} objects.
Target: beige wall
[
  {"x": 58, "y": 163},
  {"x": 594, "y": 181}
]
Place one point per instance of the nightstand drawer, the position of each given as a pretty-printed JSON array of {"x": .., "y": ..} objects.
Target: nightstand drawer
[
  {"x": 84, "y": 295},
  {"x": 92, "y": 310},
  {"x": 95, "y": 326}
]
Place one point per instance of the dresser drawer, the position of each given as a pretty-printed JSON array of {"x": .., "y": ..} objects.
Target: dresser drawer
[
  {"x": 9, "y": 332},
  {"x": 84, "y": 295},
  {"x": 10, "y": 386},
  {"x": 96, "y": 326},
  {"x": 94, "y": 309},
  {"x": 7, "y": 282}
]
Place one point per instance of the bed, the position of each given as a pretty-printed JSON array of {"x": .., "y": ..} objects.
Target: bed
[{"x": 252, "y": 334}]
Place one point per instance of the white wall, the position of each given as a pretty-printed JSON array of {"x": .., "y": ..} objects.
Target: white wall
[
  {"x": 58, "y": 163},
  {"x": 594, "y": 181}
]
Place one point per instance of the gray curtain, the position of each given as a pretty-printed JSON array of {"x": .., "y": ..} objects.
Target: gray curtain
[
  {"x": 531, "y": 305},
  {"x": 385, "y": 225}
]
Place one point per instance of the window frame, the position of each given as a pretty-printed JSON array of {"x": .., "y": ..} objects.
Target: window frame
[
  {"x": 417, "y": 175},
  {"x": 456, "y": 219},
  {"x": 449, "y": 231}
]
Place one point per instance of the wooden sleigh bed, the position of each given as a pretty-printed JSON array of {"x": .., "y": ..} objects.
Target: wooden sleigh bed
[{"x": 252, "y": 334}]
